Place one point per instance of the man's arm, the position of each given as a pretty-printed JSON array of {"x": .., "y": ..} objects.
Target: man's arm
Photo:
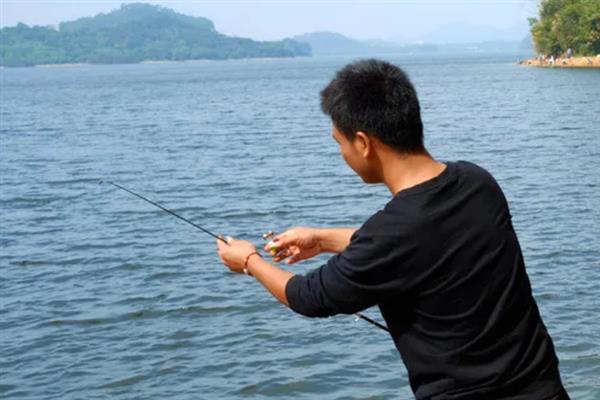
[
  {"x": 346, "y": 291},
  {"x": 334, "y": 240},
  {"x": 240, "y": 255},
  {"x": 304, "y": 243},
  {"x": 273, "y": 278}
]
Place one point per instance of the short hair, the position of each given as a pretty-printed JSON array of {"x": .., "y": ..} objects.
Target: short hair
[{"x": 377, "y": 98}]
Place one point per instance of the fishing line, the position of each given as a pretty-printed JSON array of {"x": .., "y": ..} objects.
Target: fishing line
[{"x": 221, "y": 238}]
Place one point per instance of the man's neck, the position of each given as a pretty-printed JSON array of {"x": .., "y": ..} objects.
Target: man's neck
[{"x": 400, "y": 172}]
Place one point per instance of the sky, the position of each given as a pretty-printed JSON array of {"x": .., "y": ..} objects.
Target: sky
[{"x": 274, "y": 20}]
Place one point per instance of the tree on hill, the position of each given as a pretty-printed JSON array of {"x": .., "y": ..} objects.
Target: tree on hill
[
  {"x": 567, "y": 24},
  {"x": 133, "y": 33}
]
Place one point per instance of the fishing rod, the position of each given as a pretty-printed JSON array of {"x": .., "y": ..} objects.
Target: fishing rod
[{"x": 221, "y": 238}]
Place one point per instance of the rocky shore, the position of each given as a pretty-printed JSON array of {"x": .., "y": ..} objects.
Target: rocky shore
[{"x": 573, "y": 62}]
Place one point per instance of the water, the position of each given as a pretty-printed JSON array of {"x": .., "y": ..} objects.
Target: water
[{"x": 105, "y": 297}]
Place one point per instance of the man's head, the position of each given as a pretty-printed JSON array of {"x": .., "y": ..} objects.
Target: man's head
[
  {"x": 377, "y": 98},
  {"x": 373, "y": 102}
]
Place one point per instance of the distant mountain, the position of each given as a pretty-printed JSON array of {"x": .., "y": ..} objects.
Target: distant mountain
[
  {"x": 331, "y": 43},
  {"x": 133, "y": 33},
  {"x": 516, "y": 48}
]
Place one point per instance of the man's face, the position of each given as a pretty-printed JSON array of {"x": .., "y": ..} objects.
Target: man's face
[{"x": 354, "y": 154}]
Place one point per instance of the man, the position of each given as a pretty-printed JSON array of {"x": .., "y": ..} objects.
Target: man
[{"x": 441, "y": 260}]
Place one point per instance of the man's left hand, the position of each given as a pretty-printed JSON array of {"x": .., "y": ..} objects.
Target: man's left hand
[{"x": 235, "y": 253}]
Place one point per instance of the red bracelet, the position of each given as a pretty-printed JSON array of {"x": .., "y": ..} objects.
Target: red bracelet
[{"x": 245, "y": 270}]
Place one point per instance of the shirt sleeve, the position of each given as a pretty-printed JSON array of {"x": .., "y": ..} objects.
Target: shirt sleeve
[{"x": 366, "y": 273}]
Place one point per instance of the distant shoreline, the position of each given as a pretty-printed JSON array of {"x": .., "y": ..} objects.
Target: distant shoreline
[
  {"x": 58, "y": 65},
  {"x": 211, "y": 60},
  {"x": 574, "y": 62},
  {"x": 151, "y": 62}
]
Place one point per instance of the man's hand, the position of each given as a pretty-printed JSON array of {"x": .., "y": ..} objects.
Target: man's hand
[
  {"x": 295, "y": 244},
  {"x": 235, "y": 253}
]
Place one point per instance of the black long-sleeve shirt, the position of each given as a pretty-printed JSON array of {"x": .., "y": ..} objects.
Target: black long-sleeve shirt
[{"x": 443, "y": 264}]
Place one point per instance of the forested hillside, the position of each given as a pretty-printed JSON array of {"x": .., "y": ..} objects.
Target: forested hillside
[
  {"x": 567, "y": 24},
  {"x": 133, "y": 33}
]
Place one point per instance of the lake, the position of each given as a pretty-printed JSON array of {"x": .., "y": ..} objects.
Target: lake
[{"x": 105, "y": 297}]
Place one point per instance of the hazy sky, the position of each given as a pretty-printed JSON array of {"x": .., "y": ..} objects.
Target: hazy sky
[{"x": 269, "y": 20}]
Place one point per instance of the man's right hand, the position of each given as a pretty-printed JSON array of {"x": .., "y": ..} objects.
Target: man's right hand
[
  {"x": 296, "y": 244},
  {"x": 301, "y": 243}
]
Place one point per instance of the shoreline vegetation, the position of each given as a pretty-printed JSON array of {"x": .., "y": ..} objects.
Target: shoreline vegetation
[
  {"x": 564, "y": 62},
  {"x": 567, "y": 34}
]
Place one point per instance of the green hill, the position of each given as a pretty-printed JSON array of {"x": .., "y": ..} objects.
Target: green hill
[{"x": 134, "y": 33}]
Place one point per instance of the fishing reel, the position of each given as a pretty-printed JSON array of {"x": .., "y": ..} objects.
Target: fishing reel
[
  {"x": 274, "y": 250},
  {"x": 268, "y": 236}
]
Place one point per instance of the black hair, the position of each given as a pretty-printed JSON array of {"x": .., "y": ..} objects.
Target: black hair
[{"x": 377, "y": 98}]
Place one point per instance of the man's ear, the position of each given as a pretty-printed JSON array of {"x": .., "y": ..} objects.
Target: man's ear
[{"x": 364, "y": 143}]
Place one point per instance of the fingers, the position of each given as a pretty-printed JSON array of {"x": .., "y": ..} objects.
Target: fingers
[
  {"x": 221, "y": 245},
  {"x": 285, "y": 239},
  {"x": 293, "y": 254},
  {"x": 286, "y": 245},
  {"x": 281, "y": 242},
  {"x": 296, "y": 254},
  {"x": 281, "y": 255}
]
